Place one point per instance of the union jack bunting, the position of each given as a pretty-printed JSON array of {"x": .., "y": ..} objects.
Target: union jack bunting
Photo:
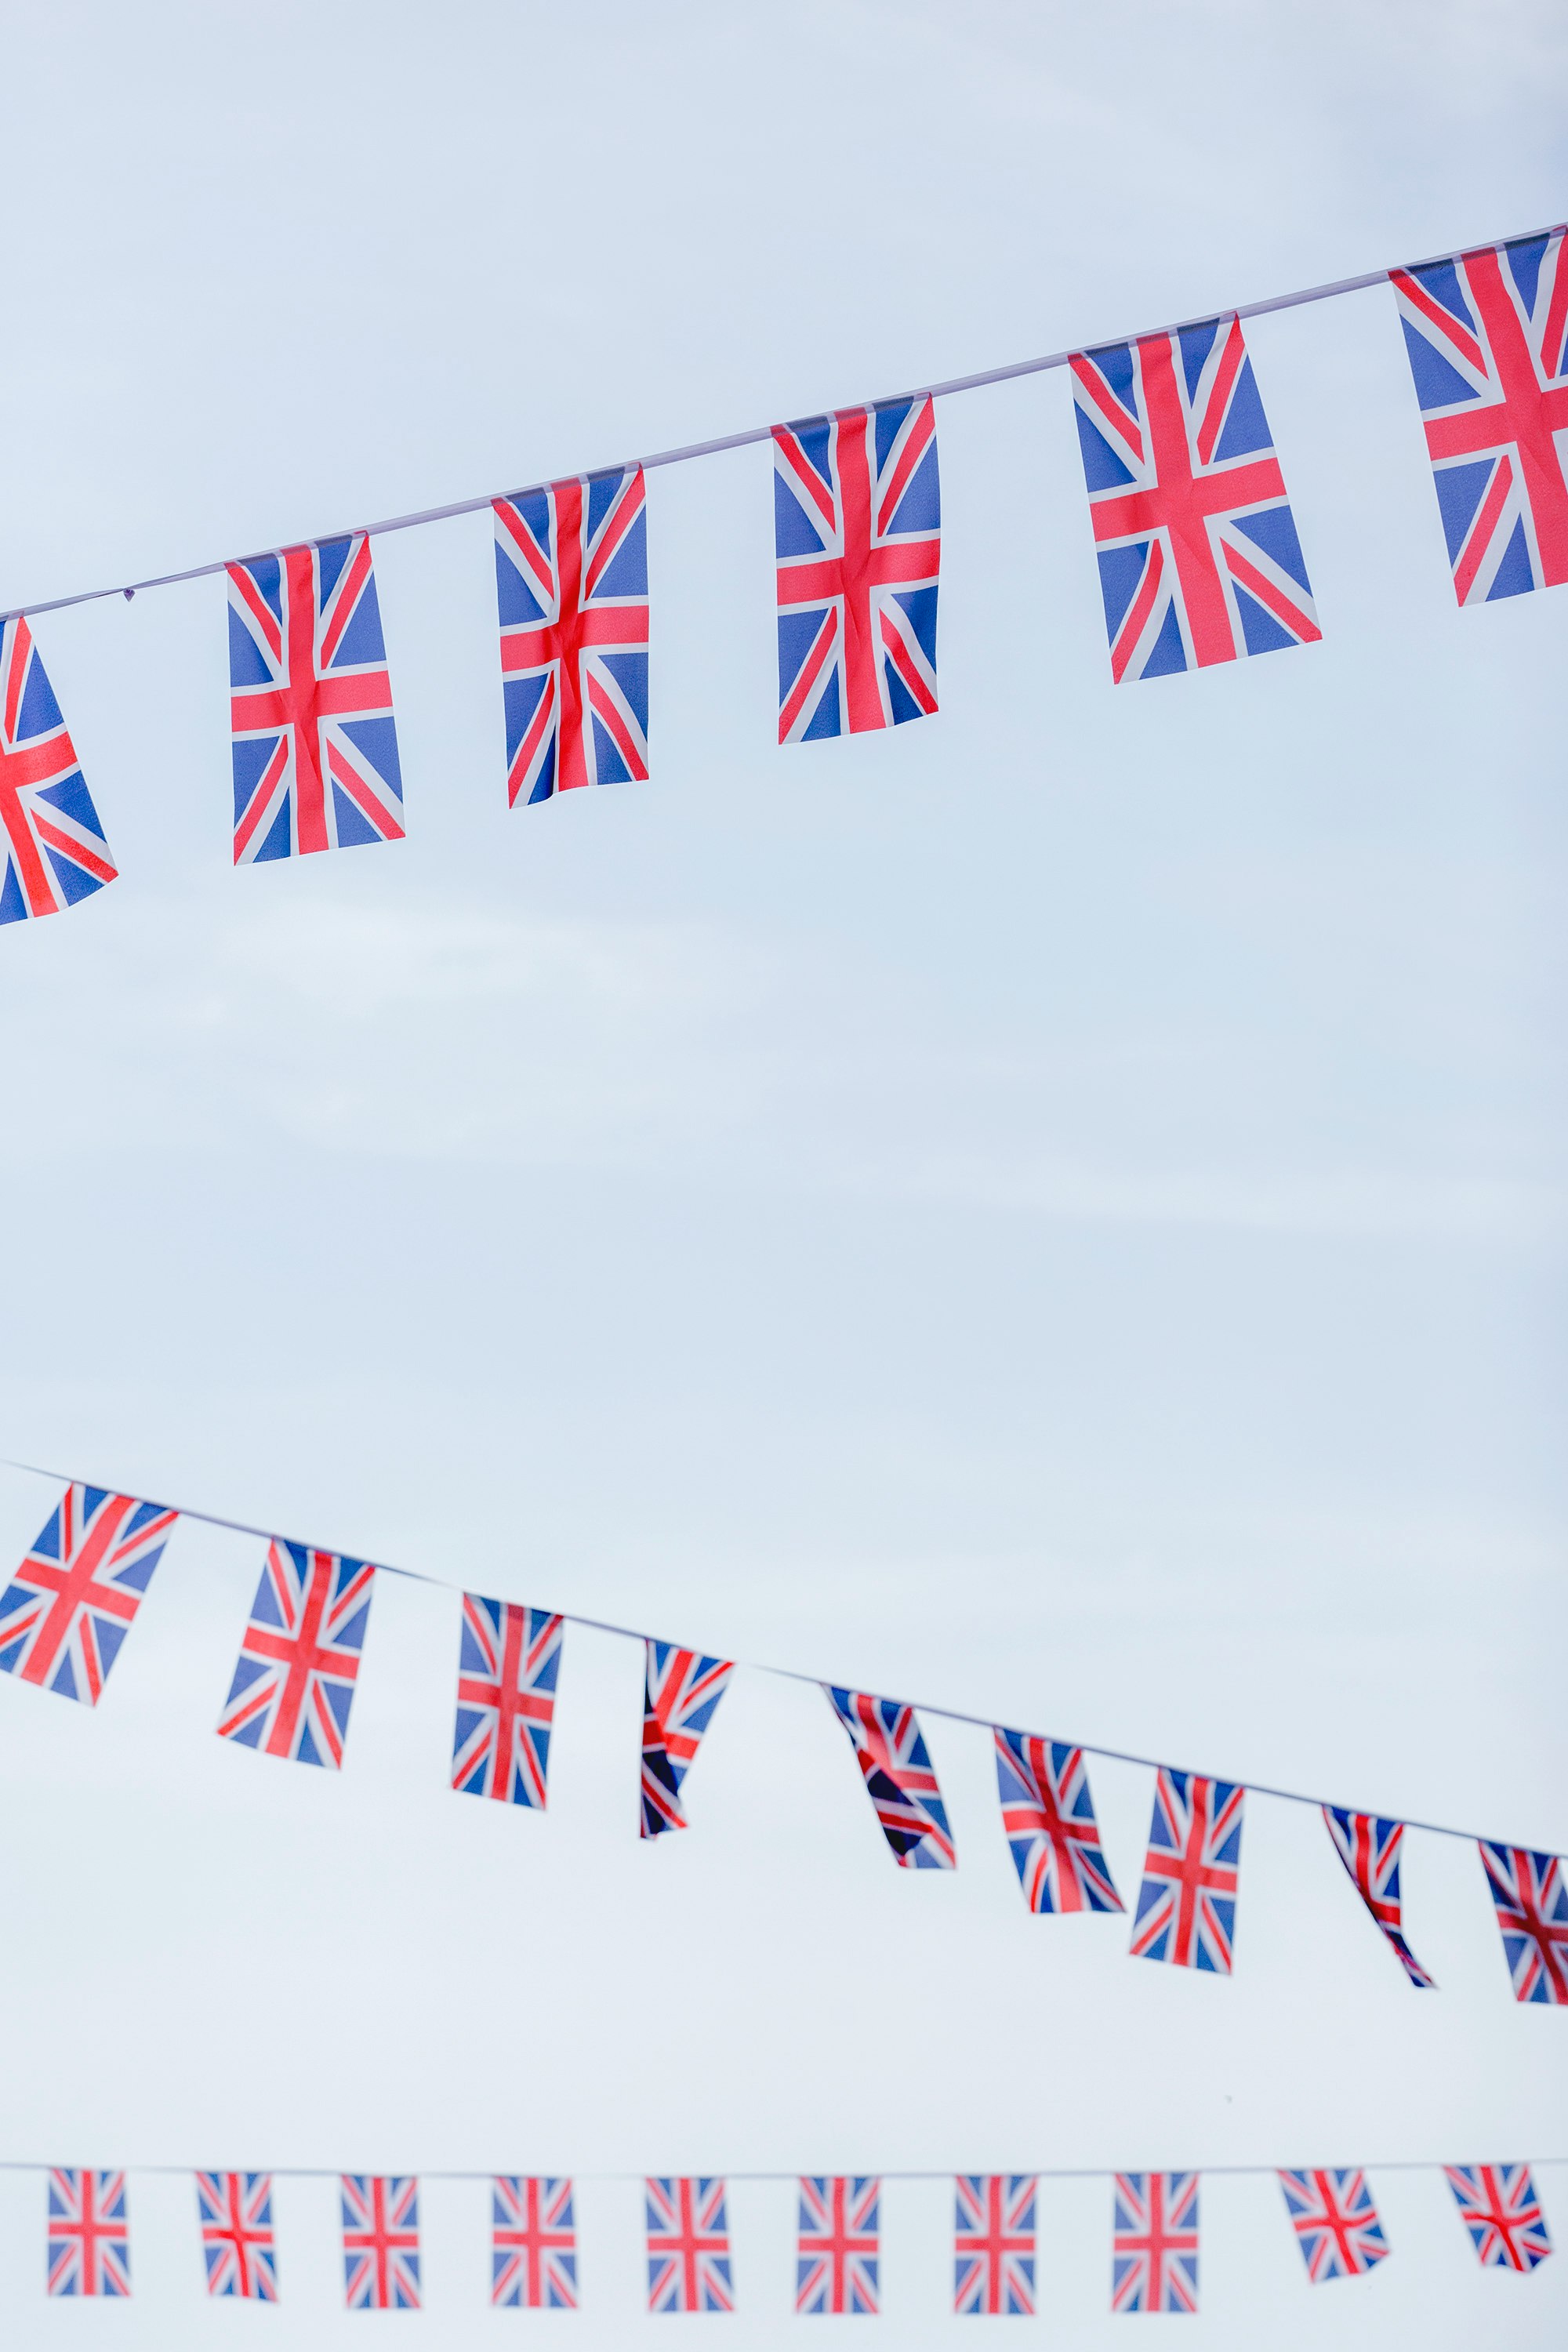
[
  {"x": 1531, "y": 1898},
  {"x": 381, "y": 2242},
  {"x": 994, "y": 2242},
  {"x": 68, "y": 1608},
  {"x": 1155, "y": 2256},
  {"x": 572, "y": 585},
  {"x": 51, "y": 841},
  {"x": 89, "y": 2236},
  {"x": 680, "y": 1691},
  {"x": 1048, "y": 1816},
  {"x": 1187, "y": 1906},
  {"x": 891, "y": 1753},
  {"x": 835, "y": 2265},
  {"x": 315, "y": 743},
  {"x": 506, "y": 1668},
  {"x": 1335, "y": 2222},
  {"x": 235, "y": 2209},
  {"x": 534, "y": 2249},
  {"x": 857, "y": 533},
  {"x": 1499, "y": 2207},
  {"x": 294, "y": 1679},
  {"x": 687, "y": 2246},
  {"x": 1369, "y": 1848},
  {"x": 1487, "y": 333},
  {"x": 1199, "y": 561}
]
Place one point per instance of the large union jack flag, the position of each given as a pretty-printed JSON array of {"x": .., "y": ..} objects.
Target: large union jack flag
[
  {"x": 1369, "y": 1848},
  {"x": 1335, "y": 2221},
  {"x": 90, "y": 2234},
  {"x": 68, "y": 1608},
  {"x": 1499, "y": 2207},
  {"x": 50, "y": 839},
  {"x": 315, "y": 744},
  {"x": 994, "y": 2242},
  {"x": 1048, "y": 1816},
  {"x": 857, "y": 533},
  {"x": 687, "y": 2246},
  {"x": 1187, "y": 1906},
  {"x": 236, "y": 2212},
  {"x": 381, "y": 2242},
  {"x": 681, "y": 1689},
  {"x": 891, "y": 1752},
  {"x": 1154, "y": 2245},
  {"x": 1530, "y": 1897},
  {"x": 572, "y": 585},
  {"x": 294, "y": 1679},
  {"x": 506, "y": 1669},
  {"x": 1199, "y": 561},
  {"x": 837, "y": 2250},
  {"x": 1487, "y": 333},
  {"x": 534, "y": 2244}
]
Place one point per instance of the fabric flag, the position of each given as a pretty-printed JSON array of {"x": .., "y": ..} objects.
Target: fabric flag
[
  {"x": 891, "y": 1753},
  {"x": 1335, "y": 2222},
  {"x": 315, "y": 743},
  {"x": 89, "y": 2235},
  {"x": 857, "y": 533},
  {"x": 687, "y": 2246},
  {"x": 572, "y": 589},
  {"x": 236, "y": 2210},
  {"x": 507, "y": 1663},
  {"x": 836, "y": 2254},
  {"x": 1499, "y": 2207},
  {"x": 533, "y": 2246},
  {"x": 381, "y": 2242},
  {"x": 1369, "y": 1848},
  {"x": 994, "y": 2242},
  {"x": 681, "y": 1689},
  {"x": 1487, "y": 333},
  {"x": 1199, "y": 561},
  {"x": 294, "y": 1679},
  {"x": 69, "y": 1606},
  {"x": 1530, "y": 1897},
  {"x": 1154, "y": 2258},
  {"x": 1187, "y": 1906},
  {"x": 1048, "y": 1816},
  {"x": 51, "y": 842}
]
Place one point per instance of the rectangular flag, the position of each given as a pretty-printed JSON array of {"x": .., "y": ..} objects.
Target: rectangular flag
[
  {"x": 294, "y": 1680},
  {"x": 687, "y": 2246},
  {"x": 993, "y": 2243},
  {"x": 890, "y": 1749},
  {"x": 507, "y": 1663},
  {"x": 533, "y": 2243},
  {"x": 1154, "y": 2261},
  {"x": 235, "y": 2213},
  {"x": 837, "y": 2252},
  {"x": 70, "y": 1604},
  {"x": 381, "y": 2242},
  {"x": 1369, "y": 1848},
  {"x": 681, "y": 1691},
  {"x": 1335, "y": 2222},
  {"x": 1048, "y": 1815},
  {"x": 89, "y": 2235},
  {"x": 52, "y": 849},
  {"x": 1187, "y": 1906},
  {"x": 1499, "y": 2207},
  {"x": 1529, "y": 1895}
]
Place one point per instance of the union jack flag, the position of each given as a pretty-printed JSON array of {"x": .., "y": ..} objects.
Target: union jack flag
[
  {"x": 687, "y": 2246},
  {"x": 53, "y": 844},
  {"x": 1335, "y": 2222},
  {"x": 1199, "y": 561},
  {"x": 534, "y": 2253},
  {"x": 994, "y": 2242},
  {"x": 1369, "y": 1848},
  {"x": 572, "y": 585},
  {"x": 1487, "y": 333},
  {"x": 836, "y": 2265},
  {"x": 507, "y": 1669},
  {"x": 315, "y": 744},
  {"x": 235, "y": 2209},
  {"x": 857, "y": 532},
  {"x": 681, "y": 1689},
  {"x": 1499, "y": 2207},
  {"x": 89, "y": 2235},
  {"x": 1048, "y": 1816},
  {"x": 1187, "y": 1906},
  {"x": 1531, "y": 1898},
  {"x": 294, "y": 1679},
  {"x": 891, "y": 1753},
  {"x": 1154, "y": 2257},
  {"x": 381, "y": 2242},
  {"x": 70, "y": 1605}
]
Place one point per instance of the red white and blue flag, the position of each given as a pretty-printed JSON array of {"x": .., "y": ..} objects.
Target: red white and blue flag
[
  {"x": 51, "y": 842},
  {"x": 381, "y": 2242},
  {"x": 836, "y": 2250},
  {"x": 687, "y": 2246},
  {"x": 1499, "y": 2207},
  {"x": 1048, "y": 1816},
  {"x": 1369, "y": 1848},
  {"x": 508, "y": 1665},
  {"x": 533, "y": 2243},
  {"x": 1187, "y": 1906},
  {"x": 1335, "y": 2221},
  {"x": 235, "y": 2213},
  {"x": 681, "y": 1689},
  {"x": 1154, "y": 2245},
  {"x": 993, "y": 2243},
  {"x": 294, "y": 1679},
  {"x": 1529, "y": 1895},
  {"x": 894, "y": 1763},
  {"x": 69, "y": 1606},
  {"x": 90, "y": 2234}
]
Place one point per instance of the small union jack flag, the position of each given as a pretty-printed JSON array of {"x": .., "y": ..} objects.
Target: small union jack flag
[
  {"x": 1048, "y": 1816},
  {"x": 1335, "y": 2222},
  {"x": 835, "y": 2265},
  {"x": 315, "y": 743},
  {"x": 294, "y": 1679},
  {"x": 1487, "y": 333},
  {"x": 381, "y": 2242},
  {"x": 681, "y": 1690},
  {"x": 51, "y": 842},
  {"x": 1199, "y": 561},
  {"x": 687, "y": 2246},
  {"x": 1530, "y": 1897},
  {"x": 857, "y": 531},
  {"x": 572, "y": 585},
  {"x": 1499, "y": 2207},
  {"x": 235, "y": 2209},
  {"x": 994, "y": 2242},
  {"x": 1369, "y": 1848},
  {"x": 507, "y": 1669},
  {"x": 68, "y": 1608},
  {"x": 891, "y": 1753},
  {"x": 89, "y": 2235},
  {"x": 1154, "y": 2258},
  {"x": 533, "y": 2250},
  {"x": 1187, "y": 1906}
]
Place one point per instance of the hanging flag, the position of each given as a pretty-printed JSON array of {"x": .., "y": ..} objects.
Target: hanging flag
[
  {"x": 1487, "y": 333},
  {"x": 1530, "y": 1897},
  {"x": 381, "y": 2242},
  {"x": 891, "y": 1753},
  {"x": 1499, "y": 2207},
  {"x": 53, "y": 844},
  {"x": 681, "y": 1688},
  {"x": 1335, "y": 2222},
  {"x": 857, "y": 533},
  {"x": 1199, "y": 561},
  {"x": 687, "y": 2246},
  {"x": 1048, "y": 1816},
  {"x": 89, "y": 2235},
  {"x": 315, "y": 744},
  {"x": 572, "y": 585},
  {"x": 994, "y": 2242},
  {"x": 836, "y": 2260},
  {"x": 236, "y": 2210},
  {"x": 294, "y": 1680},
  {"x": 1154, "y": 2259},
  {"x": 69, "y": 1606},
  {"x": 534, "y": 2248},
  {"x": 1369, "y": 1848},
  {"x": 506, "y": 1668},
  {"x": 1187, "y": 1906}
]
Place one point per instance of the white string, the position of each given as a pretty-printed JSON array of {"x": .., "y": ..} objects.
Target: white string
[{"x": 1033, "y": 2171}]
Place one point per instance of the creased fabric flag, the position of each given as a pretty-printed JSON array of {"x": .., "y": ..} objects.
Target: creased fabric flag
[
  {"x": 993, "y": 2243},
  {"x": 687, "y": 2246},
  {"x": 1486, "y": 334},
  {"x": 508, "y": 1664},
  {"x": 572, "y": 589},
  {"x": 1199, "y": 560},
  {"x": 315, "y": 743},
  {"x": 1187, "y": 1906},
  {"x": 90, "y": 2234},
  {"x": 1048, "y": 1815},
  {"x": 857, "y": 533},
  {"x": 236, "y": 2212},
  {"x": 1531, "y": 1898},
  {"x": 1499, "y": 2207},
  {"x": 381, "y": 2242},
  {"x": 533, "y": 2245},
  {"x": 294, "y": 1679},
  {"x": 1335, "y": 2221},
  {"x": 52, "y": 843},
  {"x": 67, "y": 1610},
  {"x": 891, "y": 1753},
  {"x": 681, "y": 1689},
  {"x": 1155, "y": 2256},
  {"x": 1369, "y": 1848},
  {"x": 837, "y": 2250}
]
